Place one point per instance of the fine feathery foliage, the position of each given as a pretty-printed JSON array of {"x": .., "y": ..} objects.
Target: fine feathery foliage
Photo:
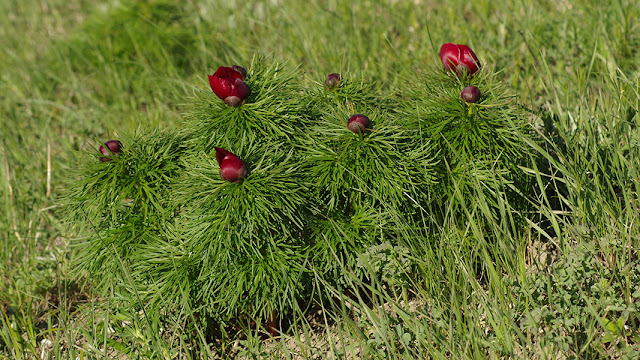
[
  {"x": 163, "y": 227},
  {"x": 351, "y": 90},
  {"x": 482, "y": 144},
  {"x": 246, "y": 238},
  {"x": 380, "y": 167},
  {"x": 369, "y": 187},
  {"x": 123, "y": 203},
  {"x": 273, "y": 112}
]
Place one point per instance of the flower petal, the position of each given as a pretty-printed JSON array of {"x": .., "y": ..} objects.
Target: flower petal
[
  {"x": 469, "y": 58},
  {"x": 233, "y": 169},
  {"x": 228, "y": 73},
  {"x": 221, "y": 154},
  {"x": 220, "y": 86},
  {"x": 240, "y": 89},
  {"x": 450, "y": 56}
]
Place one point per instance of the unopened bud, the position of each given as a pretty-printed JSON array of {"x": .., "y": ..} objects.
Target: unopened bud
[
  {"x": 470, "y": 94},
  {"x": 358, "y": 123},
  {"x": 111, "y": 147},
  {"x": 332, "y": 81}
]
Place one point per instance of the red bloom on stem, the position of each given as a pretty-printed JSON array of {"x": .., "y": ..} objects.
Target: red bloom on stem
[
  {"x": 110, "y": 147},
  {"x": 231, "y": 166},
  {"x": 459, "y": 58},
  {"x": 228, "y": 84}
]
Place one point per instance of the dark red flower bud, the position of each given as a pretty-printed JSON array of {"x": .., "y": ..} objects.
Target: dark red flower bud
[
  {"x": 470, "y": 94},
  {"x": 358, "y": 123},
  {"x": 229, "y": 86},
  {"x": 332, "y": 81},
  {"x": 231, "y": 166},
  {"x": 459, "y": 58},
  {"x": 111, "y": 147},
  {"x": 241, "y": 70}
]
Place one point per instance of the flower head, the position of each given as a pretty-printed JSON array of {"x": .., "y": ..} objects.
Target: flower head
[
  {"x": 111, "y": 147},
  {"x": 459, "y": 58},
  {"x": 231, "y": 166},
  {"x": 228, "y": 84},
  {"x": 358, "y": 123}
]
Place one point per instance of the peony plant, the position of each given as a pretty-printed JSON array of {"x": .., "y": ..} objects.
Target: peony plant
[
  {"x": 250, "y": 207},
  {"x": 481, "y": 136}
]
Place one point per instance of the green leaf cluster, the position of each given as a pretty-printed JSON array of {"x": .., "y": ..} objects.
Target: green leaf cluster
[
  {"x": 319, "y": 203},
  {"x": 122, "y": 204},
  {"x": 482, "y": 145}
]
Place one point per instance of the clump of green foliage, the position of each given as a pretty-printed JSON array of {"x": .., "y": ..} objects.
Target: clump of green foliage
[
  {"x": 272, "y": 116},
  {"x": 320, "y": 203},
  {"x": 122, "y": 205},
  {"x": 482, "y": 144}
]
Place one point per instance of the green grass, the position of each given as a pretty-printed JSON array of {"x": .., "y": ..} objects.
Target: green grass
[{"x": 563, "y": 284}]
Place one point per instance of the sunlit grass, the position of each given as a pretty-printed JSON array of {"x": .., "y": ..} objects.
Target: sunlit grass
[{"x": 560, "y": 280}]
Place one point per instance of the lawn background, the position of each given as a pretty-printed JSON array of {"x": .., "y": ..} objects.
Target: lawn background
[{"x": 76, "y": 73}]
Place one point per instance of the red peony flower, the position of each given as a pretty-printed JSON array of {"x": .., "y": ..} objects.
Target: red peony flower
[
  {"x": 231, "y": 166},
  {"x": 459, "y": 58},
  {"x": 229, "y": 86},
  {"x": 111, "y": 147},
  {"x": 358, "y": 123}
]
